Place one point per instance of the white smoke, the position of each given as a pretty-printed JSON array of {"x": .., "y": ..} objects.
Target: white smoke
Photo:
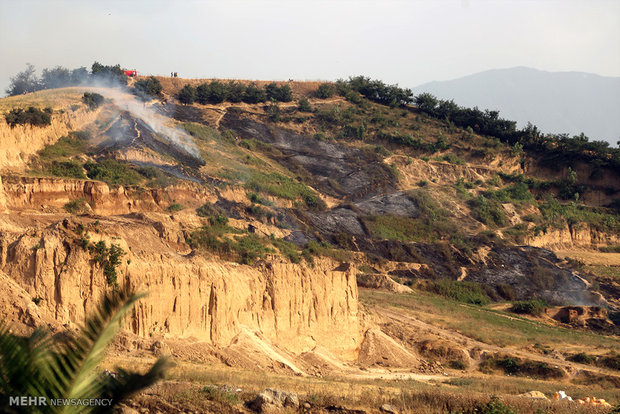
[{"x": 141, "y": 110}]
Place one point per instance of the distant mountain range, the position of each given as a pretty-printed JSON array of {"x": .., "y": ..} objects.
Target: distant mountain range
[{"x": 556, "y": 102}]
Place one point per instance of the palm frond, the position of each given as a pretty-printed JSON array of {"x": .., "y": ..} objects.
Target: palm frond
[
  {"x": 39, "y": 366},
  {"x": 23, "y": 365},
  {"x": 75, "y": 361},
  {"x": 127, "y": 383}
]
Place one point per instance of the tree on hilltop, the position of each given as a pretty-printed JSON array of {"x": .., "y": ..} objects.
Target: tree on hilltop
[
  {"x": 24, "y": 82},
  {"x": 187, "y": 95}
]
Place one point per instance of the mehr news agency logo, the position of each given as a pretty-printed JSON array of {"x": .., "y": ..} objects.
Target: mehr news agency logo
[{"x": 39, "y": 401}]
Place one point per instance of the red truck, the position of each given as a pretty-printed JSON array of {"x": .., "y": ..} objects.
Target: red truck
[{"x": 131, "y": 73}]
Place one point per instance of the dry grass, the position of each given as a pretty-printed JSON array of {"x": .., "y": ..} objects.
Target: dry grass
[
  {"x": 457, "y": 395},
  {"x": 56, "y": 98},
  {"x": 591, "y": 257}
]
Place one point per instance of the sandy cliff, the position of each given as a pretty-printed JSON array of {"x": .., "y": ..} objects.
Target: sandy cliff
[
  {"x": 190, "y": 296},
  {"x": 17, "y": 144},
  {"x": 580, "y": 235}
]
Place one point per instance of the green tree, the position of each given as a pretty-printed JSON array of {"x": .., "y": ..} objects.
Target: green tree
[
  {"x": 426, "y": 102},
  {"x": 214, "y": 92},
  {"x": 108, "y": 74},
  {"x": 253, "y": 94},
  {"x": 93, "y": 100},
  {"x": 24, "y": 82},
  {"x": 148, "y": 88},
  {"x": 236, "y": 91},
  {"x": 55, "y": 78},
  {"x": 42, "y": 366},
  {"x": 187, "y": 95}
]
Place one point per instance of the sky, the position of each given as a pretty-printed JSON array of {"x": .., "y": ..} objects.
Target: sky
[{"x": 404, "y": 42}]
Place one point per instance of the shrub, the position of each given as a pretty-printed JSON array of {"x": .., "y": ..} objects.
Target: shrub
[
  {"x": 304, "y": 105},
  {"x": 32, "y": 116},
  {"x": 108, "y": 258},
  {"x": 109, "y": 74},
  {"x": 612, "y": 360},
  {"x": 112, "y": 172},
  {"x": 354, "y": 131},
  {"x": 287, "y": 249},
  {"x": 457, "y": 364},
  {"x": 92, "y": 100},
  {"x": 452, "y": 159},
  {"x": 221, "y": 395},
  {"x": 489, "y": 212},
  {"x": 256, "y": 198},
  {"x": 207, "y": 210},
  {"x": 76, "y": 206},
  {"x": 379, "y": 92},
  {"x": 495, "y": 406},
  {"x": 175, "y": 207},
  {"x": 505, "y": 291},
  {"x": 273, "y": 111},
  {"x": 533, "y": 307},
  {"x": 249, "y": 248},
  {"x": 69, "y": 169},
  {"x": 468, "y": 292},
  {"x": 325, "y": 90},
  {"x": 582, "y": 358}
]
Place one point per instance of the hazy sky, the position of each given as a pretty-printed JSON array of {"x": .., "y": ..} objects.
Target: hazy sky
[{"x": 405, "y": 42}]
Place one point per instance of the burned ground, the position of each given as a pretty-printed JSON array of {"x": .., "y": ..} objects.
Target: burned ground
[{"x": 335, "y": 169}]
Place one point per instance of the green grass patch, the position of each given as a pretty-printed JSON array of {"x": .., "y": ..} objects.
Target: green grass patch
[
  {"x": 113, "y": 172},
  {"x": 451, "y": 158},
  {"x": 432, "y": 224},
  {"x": 287, "y": 249},
  {"x": 68, "y": 169},
  {"x": 488, "y": 211},
  {"x": 66, "y": 147},
  {"x": 558, "y": 215},
  {"x": 282, "y": 186},
  {"x": 175, "y": 207},
  {"x": 314, "y": 248},
  {"x": 467, "y": 292}
]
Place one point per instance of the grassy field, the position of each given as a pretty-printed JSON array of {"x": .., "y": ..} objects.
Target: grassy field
[
  {"x": 56, "y": 98},
  {"x": 487, "y": 325}
]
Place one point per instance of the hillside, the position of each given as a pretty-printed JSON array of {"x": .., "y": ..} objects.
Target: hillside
[
  {"x": 325, "y": 239},
  {"x": 557, "y": 102}
]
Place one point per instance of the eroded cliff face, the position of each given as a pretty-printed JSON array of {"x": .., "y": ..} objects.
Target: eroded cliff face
[
  {"x": 190, "y": 296},
  {"x": 17, "y": 144},
  {"x": 44, "y": 193},
  {"x": 580, "y": 236}
]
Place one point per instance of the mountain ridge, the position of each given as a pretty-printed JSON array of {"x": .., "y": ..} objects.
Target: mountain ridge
[{"x": 557, "y": 102}]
